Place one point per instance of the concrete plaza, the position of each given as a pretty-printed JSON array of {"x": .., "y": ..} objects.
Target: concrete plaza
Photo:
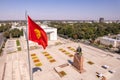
[{"x": 54, "y": 63}]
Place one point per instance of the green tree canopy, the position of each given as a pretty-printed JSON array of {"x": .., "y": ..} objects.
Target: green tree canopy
[{"x": 86, "y": 30}]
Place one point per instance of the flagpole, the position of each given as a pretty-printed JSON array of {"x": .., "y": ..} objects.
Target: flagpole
[{"x": 28, "y": 50}]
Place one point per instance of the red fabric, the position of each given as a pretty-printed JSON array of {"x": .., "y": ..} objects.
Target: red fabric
[{"x": 36, "y": 33}]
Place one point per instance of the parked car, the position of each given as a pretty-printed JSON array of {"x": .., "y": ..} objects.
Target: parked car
[
  {"x": 105, "y": 66},
  {"x": 112, "y": 71},
  {"x": 99, "y": 74}
]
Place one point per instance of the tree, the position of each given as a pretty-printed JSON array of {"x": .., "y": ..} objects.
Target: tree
[
  {"x": 15, "y": 33},
  {"x": 118, "y": 49},
  {"x": 110, "y": 46},
  {"x": 5, "y": 27},
  {"x": 6, "y": 34},
  {"x": 86, "y": 30}
]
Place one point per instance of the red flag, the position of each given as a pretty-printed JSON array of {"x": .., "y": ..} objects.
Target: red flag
[{"x": 36, "y": 33}]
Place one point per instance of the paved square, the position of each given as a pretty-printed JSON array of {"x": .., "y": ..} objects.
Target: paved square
[{"x": 54, "y": 63}]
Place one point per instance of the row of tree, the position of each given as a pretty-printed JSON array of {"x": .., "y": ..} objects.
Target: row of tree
[
  {"x": 8, "y": 32},
  {"x": 86, "y": 30},
  {"x": 5, "y": 27}
]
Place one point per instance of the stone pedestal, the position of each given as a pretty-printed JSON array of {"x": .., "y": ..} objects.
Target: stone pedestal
[
  {"x": 104, "y": 78},
  {"x": 78, "y": 62}
]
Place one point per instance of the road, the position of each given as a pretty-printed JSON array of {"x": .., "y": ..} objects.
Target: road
[{"x": 1, "y": 39}]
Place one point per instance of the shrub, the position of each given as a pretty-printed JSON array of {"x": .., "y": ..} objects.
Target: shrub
[
  {"x": 17, "y": 42},
  {"x": 89, "y": 62}
]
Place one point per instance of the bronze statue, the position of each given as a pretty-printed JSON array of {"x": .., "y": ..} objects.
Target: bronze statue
[
  {"x": 79, "y": 50},
  {"x": 78, "y": 60}
]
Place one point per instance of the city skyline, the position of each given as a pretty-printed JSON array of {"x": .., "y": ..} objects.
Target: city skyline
[{"x": 60, "y": 9}]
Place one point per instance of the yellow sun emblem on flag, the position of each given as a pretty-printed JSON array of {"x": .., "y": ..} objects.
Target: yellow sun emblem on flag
[{"x": 38, "y": 33}]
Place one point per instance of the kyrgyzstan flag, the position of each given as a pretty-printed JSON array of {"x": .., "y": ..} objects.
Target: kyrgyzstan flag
[{"x": 36, "y": 33}]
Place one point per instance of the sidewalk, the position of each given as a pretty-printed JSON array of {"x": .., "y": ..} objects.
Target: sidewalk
[{"x": 2, "y": 64}]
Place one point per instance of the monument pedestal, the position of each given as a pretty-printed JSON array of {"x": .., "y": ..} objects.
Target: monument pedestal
[
  {"x": 104, "y": 78},
  {"x": 78, "y": 62}
]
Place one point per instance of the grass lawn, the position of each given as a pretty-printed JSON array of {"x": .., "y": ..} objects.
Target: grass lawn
[
  {"x": 18, "y": 42},
  {"x": 19, "y": 48}
]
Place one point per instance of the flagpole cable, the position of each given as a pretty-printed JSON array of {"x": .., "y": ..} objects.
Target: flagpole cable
[{"x": 28, "y": 50}]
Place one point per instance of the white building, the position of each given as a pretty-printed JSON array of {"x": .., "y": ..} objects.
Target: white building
[
  {"x": 13, "y": 27},
  {"x": 15, "y": 23},
  {"x": 51, "y": 32},
  {"x": 109, "y": 41},
  {"x": 118, "y": 37}
]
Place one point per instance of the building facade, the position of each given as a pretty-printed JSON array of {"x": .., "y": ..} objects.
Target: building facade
[
  {"x": 101, "y": 20},
  {"x": 51, "y": 32},
  {"x": 109, "y": 41}
]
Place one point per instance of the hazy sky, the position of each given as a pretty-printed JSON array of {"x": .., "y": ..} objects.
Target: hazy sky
[{"x": 60, "y": 9}]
